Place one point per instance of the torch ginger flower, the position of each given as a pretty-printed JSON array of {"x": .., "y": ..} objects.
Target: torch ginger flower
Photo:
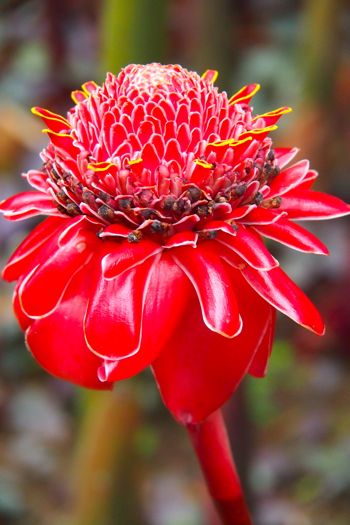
[{"x": 159, "y": 192}]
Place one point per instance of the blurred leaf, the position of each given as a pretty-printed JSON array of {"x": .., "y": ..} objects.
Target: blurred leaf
[{"x": 132, "y": 32}]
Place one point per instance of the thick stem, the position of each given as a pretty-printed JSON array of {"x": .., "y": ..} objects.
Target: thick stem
[{"x": 211, "y": 444}]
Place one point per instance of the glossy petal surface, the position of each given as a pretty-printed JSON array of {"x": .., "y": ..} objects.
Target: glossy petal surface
[
  {"x": 57, "y": 340},
  {"x": 112, "y": 323},
  {"x": 160, "y": 191},
  {"x": 215, "y": 294},
  {"x": 282, "y": 293},
  {"x": 198, "y": 361},
  {"x": 166, "y": 291}
]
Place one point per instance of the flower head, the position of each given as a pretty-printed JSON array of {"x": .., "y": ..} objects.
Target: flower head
[{"x": 159, "y": 191}]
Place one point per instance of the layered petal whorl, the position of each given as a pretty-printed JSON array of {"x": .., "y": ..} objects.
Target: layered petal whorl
[{"x": 159, "y": 191}]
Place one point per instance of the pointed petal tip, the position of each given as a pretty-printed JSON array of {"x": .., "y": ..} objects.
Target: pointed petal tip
[
  {"x": 230, "y": 332},
  {"x": 210, "y": 75},
  {"x": 104, "y": 371},
  {"x": 318, "y": 328}
]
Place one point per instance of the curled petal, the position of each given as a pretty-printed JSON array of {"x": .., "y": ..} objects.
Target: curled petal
[
  {"x": 184, "y": 238},
  {"x": 63, "y": 142},
  {"x": 315, "y": 205},
  {"x": 212, "y": 285},
  {"x": 294, "y": 236},
  {"x": 24, "y": 257},
  {"x": 57, "y": 340},
  {"x": 308, "y": 181},
  {"x": 245, "y": 94},
  {"x": 282, "y": 293},
  {"x": 263, "y": 216},
  {"x": 249, "y": 246},
  {"x": 124, "y": 255},
  {"x": 198, "y": 369},
  {"x": 43, "y": 288},
  {"x": 214, "y": 226},
  {"x": 166, "y": 293},
  {"x": 285, "y": 155},
  {"x": 210, "y": 75},
  {"x": 52, "y": 120},
  {"x": 23, "y": 320},
  {"x": 112, "y": 323},
  {"x": 115, "y": 230},
  {"x": 289, "y": 178},
  {"x": 258, "y": 367},
  {"x": 37, "y": 179},
  {"x": 28, "y": 204}
]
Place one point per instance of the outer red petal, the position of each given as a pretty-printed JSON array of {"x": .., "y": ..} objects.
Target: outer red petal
[
  {"x": 57, "y": 340},
  {"x": 37, "y": 179},
  {"x": 27, "y": 204},
  {"x": 282, "y": 293},
  {"x": 198, "y": 369},
  {"x": 262, "y": 216},
  {"x": 113, "y": 319},
  {"x": 23, "y": 320},
  {"x": 309, "y": 180},
  {"x": 289, "y": 178},
  {"x": 315, "y": 205},
  {"x": 124, "y": 255},
  {"x": 258, "y": 367},
  {"x": 24, "y": 258},
  {"x": 166, "y": 293},
  {"x": 294, "y": 236},
  {"x": 285, "y": 155},
  {"x": 42, "y": 289},
  {"x": 212, "y": 284},
  {"x": 249, "y": 246}
]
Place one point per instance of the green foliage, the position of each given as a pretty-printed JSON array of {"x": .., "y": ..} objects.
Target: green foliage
[{"x": 132, "y": 32}]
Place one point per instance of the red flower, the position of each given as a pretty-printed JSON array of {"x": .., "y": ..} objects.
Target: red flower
[{"x": 159, "y": 191}]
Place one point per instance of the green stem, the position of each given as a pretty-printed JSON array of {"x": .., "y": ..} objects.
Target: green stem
[{"x": 211, "y": 444}]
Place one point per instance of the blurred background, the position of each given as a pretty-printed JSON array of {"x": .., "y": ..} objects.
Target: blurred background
[{"x": 72, "y": 457}]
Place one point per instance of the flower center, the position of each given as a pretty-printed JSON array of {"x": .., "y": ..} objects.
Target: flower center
[
  {"x": 158, "y": 147},
  {"x": 155, "y": 209}
]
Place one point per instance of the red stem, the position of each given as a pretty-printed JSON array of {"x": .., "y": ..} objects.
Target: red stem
[{"x": 210, "y": 441}]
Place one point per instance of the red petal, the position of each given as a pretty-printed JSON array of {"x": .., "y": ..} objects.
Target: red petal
[
  {"x": 308, "y": 181},
  {"x": 294, "y": 236},
  {"x": 218, "y": 225},
  {"x": 241, "y": 211},
  {"x": 245, "y": 94},
  {"x": 198, "y": 369},
  {"x": 27, "y": 204},
  {"x": 24, "y": 257},
  {"x": 282, "y": 293},
  {"x": 249, "y": 247},
  {"x": 113, "y": 319},
  {"x": 307, "y": 204},
  {"x": 37, "y": 179},
  {"x": 258, "y": 367},
  {"x": 289, "y": 178},
  {"x": 43, "y": 288},
  {"x": 124, "y": 255},
  {"x": 213, "y": 288},
  {"x": 23, "y": 320},
  {"x": 115, "y": 230},
  {"x": 271, "y": 117},
  {"x": 262, "y": 216},
  {"x": 63, "y": 142},
  {"x": 285, "y": 155},
  {"x": 185, "y": 238},
  {"x": 166, "y": 292},
  {"x": 52, "y": 120},
  {"x": 57, "y": 341}
]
